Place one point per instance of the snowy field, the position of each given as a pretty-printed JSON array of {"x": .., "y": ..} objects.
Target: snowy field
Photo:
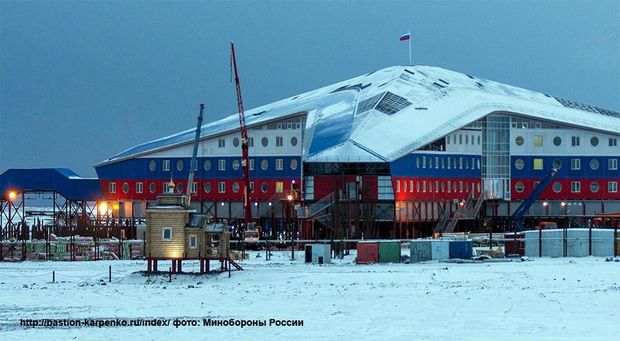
[{"x": 568, "y": 298}]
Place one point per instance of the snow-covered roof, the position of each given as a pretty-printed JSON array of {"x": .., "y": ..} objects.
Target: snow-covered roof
[{"x": 386, "y": 114}]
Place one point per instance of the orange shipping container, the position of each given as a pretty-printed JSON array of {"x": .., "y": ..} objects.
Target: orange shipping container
[{"x": 367, "y": 252}]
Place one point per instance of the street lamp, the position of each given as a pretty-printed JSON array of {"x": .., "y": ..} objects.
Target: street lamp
[
  {"x": 290, "y": 227},
  {"x": 12, "y": 195},
  {"x": 546, "y": 206}
]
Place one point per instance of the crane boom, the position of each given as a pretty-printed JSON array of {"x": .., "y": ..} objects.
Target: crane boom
[
  {"x": 245, "y": 162},
  {"x": 517, "y": 217},
  {"x": 193, "y": 166}
]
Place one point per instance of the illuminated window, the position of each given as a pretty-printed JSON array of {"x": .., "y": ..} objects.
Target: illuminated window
[
  {"x": 538, "y": 164},
  {"x": 538, "y": 140},
  {"x": 279, "y": 186}
]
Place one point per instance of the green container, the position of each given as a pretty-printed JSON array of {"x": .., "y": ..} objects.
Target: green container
[{"x": 389, "y": 252}]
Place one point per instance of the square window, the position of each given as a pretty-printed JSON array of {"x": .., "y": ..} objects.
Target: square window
[
  {"x": 139, "y": 187},
  {"x": 279, "y": 164},
  {"x": 575, "y": 141},
  {"x": 166, "y": 233},
  {"x": 612, "y": 164},
  {"x": 112, "y": 187},
  {"x": 221, "y": 143},
  {"x": 575, "y": 186},
  {"x": 279, "y": 186},
  {"x": 279, "y": 141},
  {"x": 612, "y": 187},
  {"x": 221, "y": 165},
  {"x": 193, "y": 242},
  {"x": 251, "y": 142},
  {"x": 165, "y": 165},
  {"x": 575, "y": 164},
  {"x": 221, "y": 187},
  {"x": 194, "y": 187},
  {"x": 613, "y": 142},
  {"x": 538, "y": 164},
  {"x": 538, "y": 140}
]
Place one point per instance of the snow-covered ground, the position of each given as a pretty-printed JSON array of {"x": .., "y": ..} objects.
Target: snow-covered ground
[{"x": 567, "y": 298}]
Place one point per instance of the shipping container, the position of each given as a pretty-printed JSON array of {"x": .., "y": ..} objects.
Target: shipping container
[
  {"x": 367, "y": 252},
  {"x": 440, "y": 249},
  {"x": 461, "y": 249},
  {"x": 420, "y": 250},
  {"x": 321, "y": 253},
  {"x": 389, "y": 252}
]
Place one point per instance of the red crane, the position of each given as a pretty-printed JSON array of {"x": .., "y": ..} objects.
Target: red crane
[{"x": 245, "y": 161}]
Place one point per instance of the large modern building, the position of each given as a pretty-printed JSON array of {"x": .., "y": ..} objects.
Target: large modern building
[{"x": 405, "y": 150}]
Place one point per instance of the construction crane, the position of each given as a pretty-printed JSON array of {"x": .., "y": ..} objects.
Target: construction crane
[
  {"x": 516, "y": 219},
  {"x": 245, "y": 162},
  {"x": 193, "y": 164}
]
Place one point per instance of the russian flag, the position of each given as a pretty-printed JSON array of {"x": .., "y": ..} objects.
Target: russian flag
[{"x": 405, "y": 37}]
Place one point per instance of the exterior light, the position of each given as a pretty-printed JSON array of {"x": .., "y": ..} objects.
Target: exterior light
[
  {"x": 12, "y": 195},
  {"x": 103, "y": 208},
  {"x": 293, "y": 182},
  {"x": 269, "y": 204},
  {"x": 563, "y": 203},
  {"x": 462, "y": 203},
  {"x": 545, "y": 203},
  {"x": 289, "y": 197},
  {"x": 255, "y": 204},
  {"x": 222, "y": 204}
]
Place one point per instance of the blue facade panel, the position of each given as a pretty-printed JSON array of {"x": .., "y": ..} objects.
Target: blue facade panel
[
  {"x": 565, "y": 171},
  {"x": 436, "y": 165},
  {"x": 61, "y": 180}
]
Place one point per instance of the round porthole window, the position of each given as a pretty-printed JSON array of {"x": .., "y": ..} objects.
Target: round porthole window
[
  {"x": 152, "y": 187},
  {"x": 179, "y": 187},
  {"x": 180, "y": 165},
  {"x": 293, "y": 141},
  {"x": 557, "y": 187},
  {"x": 519, "y": 164},
  {"x": 519, "y": 187},
  {"x": 594, "y": 164},
  {"x": 152, "y": 165},
  {"x": 207, "y": 165},
  {"x": 594, "y": 187},
  {"x": 125, "y": 188},
  {"x": 264, "y": 141},
  {"x": 235, "y": 187},
  {"x": 557, "y": 141},
  {"x": 264, "y": 164},
  {"x": 236, "y": 142},
  {"x": 594, "y": 141},
  {"x": 519, "y": 140},
  {"x": 294, "y": 164},
  {"x": 235, "y": 164},
  {"x": 264, "y": 187},
  {"x": 207, "y": 187},
  {"x": 557, "y": 164}
]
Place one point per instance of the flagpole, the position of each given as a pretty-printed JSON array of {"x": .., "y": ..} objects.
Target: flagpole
[{"x": 410, "y": 38}]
